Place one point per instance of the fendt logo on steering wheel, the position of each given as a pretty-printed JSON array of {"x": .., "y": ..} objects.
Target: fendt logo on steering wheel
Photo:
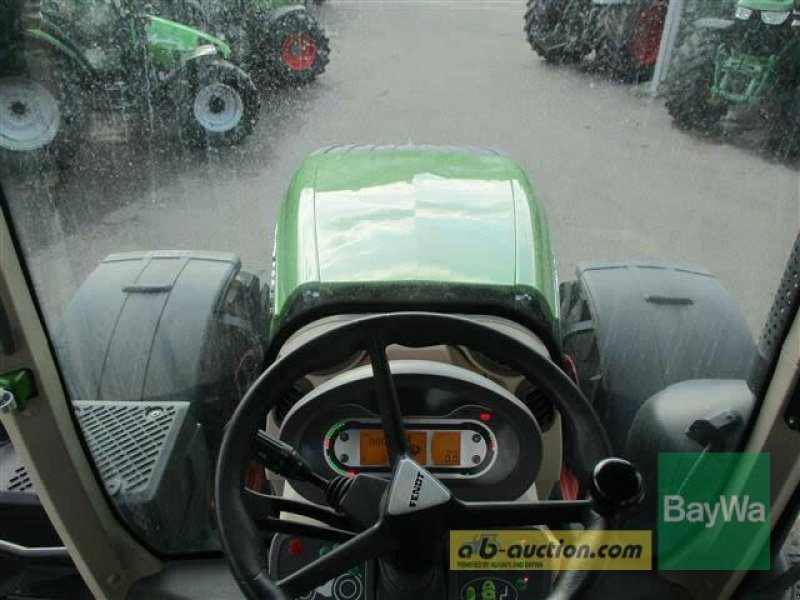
[{"x": 412, "y": 502}]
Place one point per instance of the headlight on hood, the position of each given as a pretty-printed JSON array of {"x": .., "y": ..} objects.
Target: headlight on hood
[
  {"x": 774, "y": 18},
  {"x": 743, "y": 13}
]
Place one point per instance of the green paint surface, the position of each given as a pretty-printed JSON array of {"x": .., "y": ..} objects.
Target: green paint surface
[
  {"x": 413, "y": 214},
  {"x": 168, "y": 41}
]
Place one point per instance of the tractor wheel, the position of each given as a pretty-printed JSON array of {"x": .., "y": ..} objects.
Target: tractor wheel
[
  {"x": 223, "y": 106},
  {"x": 39, "y": 117},
  {"x": 186, "y": 12},
  {"x": 633, "y": 39},
  {"x": 298, "y": 49},
  {"x": 190, "y": 12},
  {"x": 551, "y": 34},
  {"x": 688, "y": 87},
  {"x": 784, "y": 139}
]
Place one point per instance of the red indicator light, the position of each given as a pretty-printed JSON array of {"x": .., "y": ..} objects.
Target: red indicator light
[
  {"x": 486, "y": 417},
  {"x": 295, "y": 547},
  {"x": 493, "y": 445},
  {"x": 327, "y": 444},
  {"x": 351, "y": 473}
]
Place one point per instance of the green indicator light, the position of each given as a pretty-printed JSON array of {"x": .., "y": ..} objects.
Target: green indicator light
[{"x": 324, "y": 550}]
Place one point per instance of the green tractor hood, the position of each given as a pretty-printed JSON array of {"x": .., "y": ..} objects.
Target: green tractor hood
[
  {"x": 413, "y": 228},
  {"x": 169, "y": 40}
]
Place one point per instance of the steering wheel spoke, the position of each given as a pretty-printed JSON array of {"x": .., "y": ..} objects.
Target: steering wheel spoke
[
  {"x": 423, "y": 517},
  {"x": 263, "y": 507},
  {"x": 365, "y": 546},
  {"x": 469, "y": 515},
  {"x": 388, "y": 403},
  {"x": 291, "y": 527}
]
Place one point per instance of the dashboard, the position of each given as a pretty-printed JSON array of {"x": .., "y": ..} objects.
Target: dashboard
[
  {"x": 448, "y": 447},
  {"x": 495, "y": 443},
  {"x": 289, "y": 553},
  {"x": 479, "y": 440}
]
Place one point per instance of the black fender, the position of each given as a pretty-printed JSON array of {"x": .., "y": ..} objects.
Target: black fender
[
  {"x": 176, "y": 87},
  {"x": 635, "y": 328},
  {"x": 179, "y": 83},
  {"x": 169, "y": 341},
  {"x": 168, "y": 313}
]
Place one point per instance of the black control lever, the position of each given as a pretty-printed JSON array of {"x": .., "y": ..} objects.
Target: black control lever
[
  {"x": 280, "y": 458},
  {"x": 357, "y": 496},
  {"x": 616, "y": 486}
]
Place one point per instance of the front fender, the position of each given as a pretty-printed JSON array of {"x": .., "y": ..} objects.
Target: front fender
[
  {"x": 177, "y": 85},
  {"x": 61, "y": 46},
  {"x": 202, "y": 52}
]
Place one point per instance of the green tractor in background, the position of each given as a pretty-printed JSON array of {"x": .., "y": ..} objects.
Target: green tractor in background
[
  {"x": 749, "y": 63},
  {"x": 276, "y": 38},
  {"x": 68, "y": 77}
]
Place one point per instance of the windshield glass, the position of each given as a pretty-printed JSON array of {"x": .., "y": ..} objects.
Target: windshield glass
[{"x": 158, "y": 165}]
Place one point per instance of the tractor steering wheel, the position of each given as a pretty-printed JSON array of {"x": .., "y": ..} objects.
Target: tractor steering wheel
[{"x": 399, "y": 530}]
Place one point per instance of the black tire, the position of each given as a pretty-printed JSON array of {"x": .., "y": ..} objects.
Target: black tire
[
  {"x": 551, "y": 32},
  {"x": 186, "y": 12},
  {"x": 631, "y": 38},
  {"x": 784, "y": 138},
  {"x": 222, "y": 106},
  {"x": 48, "y": 98},
  {"x": 296, "y": 49},
  {"x": 688, "y": 87}
]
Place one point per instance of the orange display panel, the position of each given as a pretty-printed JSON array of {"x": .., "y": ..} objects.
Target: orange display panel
[
  {"x": 446, "y": 448},
  {"x": 372, "y": 443}
]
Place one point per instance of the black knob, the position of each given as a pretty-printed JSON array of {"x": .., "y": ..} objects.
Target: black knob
[{"x": 616, "y": 486}]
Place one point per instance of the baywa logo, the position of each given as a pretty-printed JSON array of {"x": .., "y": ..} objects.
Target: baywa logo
[
  {"x": 727, "y": 508},
  {"x": 713, "y": 511}
]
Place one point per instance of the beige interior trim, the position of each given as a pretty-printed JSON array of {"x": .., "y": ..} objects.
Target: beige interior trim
[
  {"x": 773, "y": 436},
  {"x": 46, "y": 440}
]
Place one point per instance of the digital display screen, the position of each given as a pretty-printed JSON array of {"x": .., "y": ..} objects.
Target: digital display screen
[
  {"x": 446, "y": 448},
  {"x": 373, "y": 449}
]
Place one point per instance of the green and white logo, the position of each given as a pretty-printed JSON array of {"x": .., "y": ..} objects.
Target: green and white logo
[{"x": 713, "y": 511}]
